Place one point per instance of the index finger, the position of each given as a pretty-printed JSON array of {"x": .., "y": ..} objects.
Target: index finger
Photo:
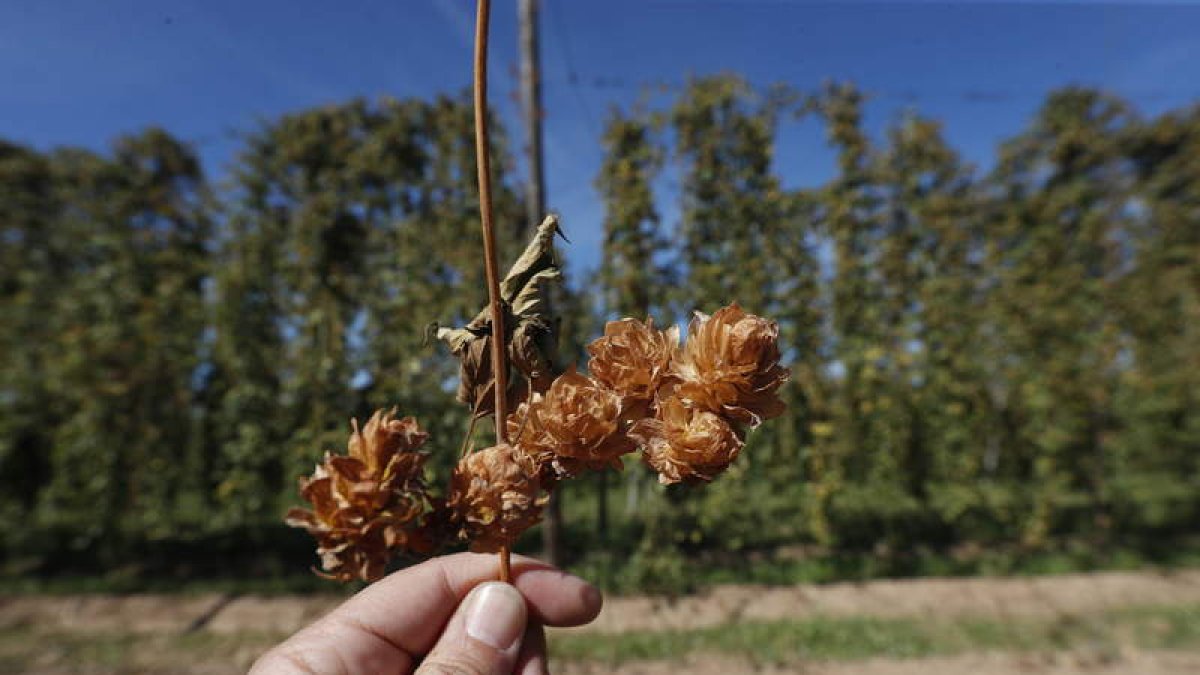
[
  {"x": 388, "y": 626},
  {"x": 409, "y": 608}
]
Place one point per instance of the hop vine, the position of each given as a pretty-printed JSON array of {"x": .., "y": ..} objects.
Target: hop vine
[{"x": 687, "y": 408}]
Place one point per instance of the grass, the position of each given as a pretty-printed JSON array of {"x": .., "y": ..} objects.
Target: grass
[
  {"x": 26, "y": 647},
  {"x": 839, "y": 639},
  {"x": 662, "y": 573},
  {"x": 773, "y": 642},
  {"x": 668, "y": 572},
  {"x": 117, "y": 583},
  {"x": 660, "y": 570}
]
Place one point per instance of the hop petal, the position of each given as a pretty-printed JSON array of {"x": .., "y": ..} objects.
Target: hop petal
[
  {"x": 632, "y": 358},
  {"x": 387, "y": 446},
  {"x": 493, "y": 499},
  {"x": 686, "y": 444},
  {"x": 576, "y": 425},
  {"x": 367, "y": 503},
  {"x": 730, "y": 366}
]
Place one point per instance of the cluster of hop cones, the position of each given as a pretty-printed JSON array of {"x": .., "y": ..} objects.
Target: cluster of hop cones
[{"x": 686, "y": 407}]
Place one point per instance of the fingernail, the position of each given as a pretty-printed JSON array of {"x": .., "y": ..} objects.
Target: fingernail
[{"x": 496, "y": 615}]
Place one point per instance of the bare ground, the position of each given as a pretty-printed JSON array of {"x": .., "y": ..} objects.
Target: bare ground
[
  {"x": 1071, "y": 663},
  {"x": 944, "y": 598}
]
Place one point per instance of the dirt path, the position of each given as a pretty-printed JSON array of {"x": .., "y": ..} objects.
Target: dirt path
[
  {"x": 1133, "y": 663},
  {"x": 945, "y": 598}
]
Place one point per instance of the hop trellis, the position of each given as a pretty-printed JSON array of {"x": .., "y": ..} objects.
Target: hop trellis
[{"x": 687, "y": 408}]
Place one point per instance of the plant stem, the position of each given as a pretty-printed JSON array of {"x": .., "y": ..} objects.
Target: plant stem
[
  {"x": 505, "y": 565},
  {"x": 483, "y": 163},
  {"x": 466, "y": 444}
]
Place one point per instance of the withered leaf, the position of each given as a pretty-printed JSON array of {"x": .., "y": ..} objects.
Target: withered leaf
[
  {"x": 476, "y": 384},
  {"x": 523, "y": 285},
  {"x": 530, "y": 333}
]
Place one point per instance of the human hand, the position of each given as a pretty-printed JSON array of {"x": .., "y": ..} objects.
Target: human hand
[{"x": 440, "y": 617}]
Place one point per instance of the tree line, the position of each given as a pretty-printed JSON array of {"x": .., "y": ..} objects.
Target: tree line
[{"x": 1001, "y": 357}]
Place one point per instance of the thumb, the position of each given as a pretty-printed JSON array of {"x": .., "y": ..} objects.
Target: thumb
[{"x": 484, "y": 635}]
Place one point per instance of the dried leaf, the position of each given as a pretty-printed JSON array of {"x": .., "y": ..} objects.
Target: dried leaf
[
  {"x": 523, "y": 286},
  {"x": 533, "y": 352},
  {"x": 530, "y": 334}
]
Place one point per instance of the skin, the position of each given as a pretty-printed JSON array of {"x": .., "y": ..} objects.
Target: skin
[{"x": 416, "y": 620}]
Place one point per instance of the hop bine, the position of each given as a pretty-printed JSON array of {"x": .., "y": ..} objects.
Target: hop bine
[{"x": 687, "y": 407}]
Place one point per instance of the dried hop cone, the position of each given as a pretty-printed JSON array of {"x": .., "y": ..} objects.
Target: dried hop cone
[
  {"x": 493, "y": 499},
  {"x": 686, "y": 444},
  {"x": 575, "y": 425},
  {"x": 632, "y": 358},
  {"x": 730, "y": 366},
  {"x": 367, "y": 504}
]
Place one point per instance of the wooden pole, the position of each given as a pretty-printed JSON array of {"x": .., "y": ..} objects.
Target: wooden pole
[
  {"x": 531, "y": 106},
  {"x": 535, "y": 204}
]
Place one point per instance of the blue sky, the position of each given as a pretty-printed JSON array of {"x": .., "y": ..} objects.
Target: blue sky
[{"x": 79, "y": 73}]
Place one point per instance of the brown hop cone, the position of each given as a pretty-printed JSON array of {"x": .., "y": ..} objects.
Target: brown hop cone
[
  {"x": 576, "y": 425},
  {"x": 686, "y": 444},
  {"x": 632, "y": 358},
  {"x": 535, "y": 458},
  {"x": 730, "y": 366},
  {"x": 366, "y": 504},
  {"x": 493, "y": 499}
]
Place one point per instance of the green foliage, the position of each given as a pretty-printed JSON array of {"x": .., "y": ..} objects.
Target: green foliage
[
  {"x": 979, "y": 360},
  {"x": 633, "y": 280},
  {"x": 353, "y": 230},
  {"x": 107, "y": 315},
  {"x": 178, "y": 356},
  {"x": 992, "y": 371}
]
